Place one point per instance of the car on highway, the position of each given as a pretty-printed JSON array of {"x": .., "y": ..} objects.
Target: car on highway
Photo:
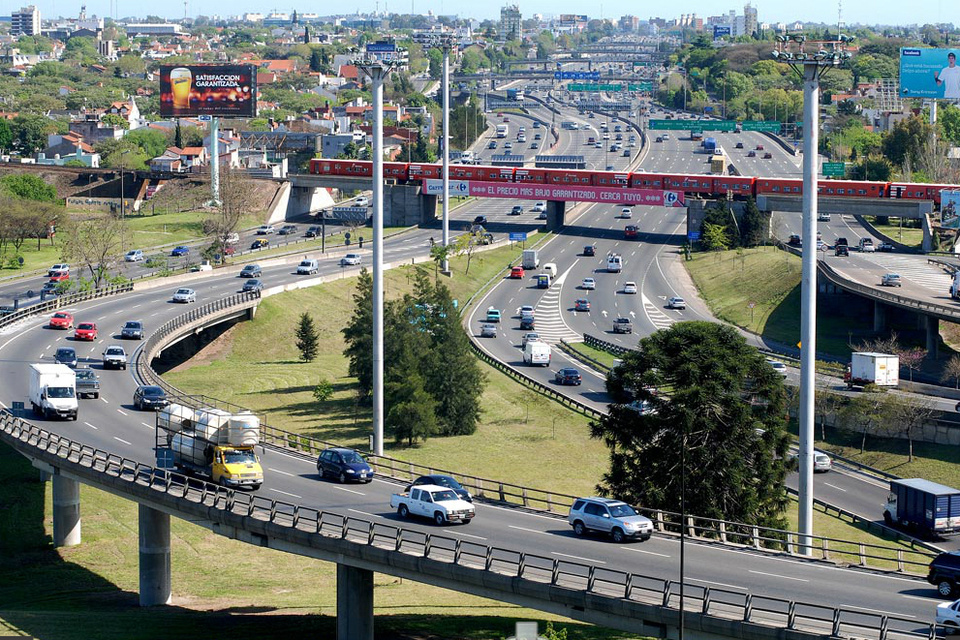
[
  {"x": 135, "y": 255},
  {"x": 50, "y": 288},
  {"x": 60, "y": 276},
  {"x": 659, "y": 138},
  {"x": 517, "y": 272},
  {"x": 480, "y": 220},
  {"x": 589, "y": 250},
  {"x": 598, "y": 145},
  {"x": 181, "y": 250},
  {"x": 132, "y": 330},
  {"x": 530, "y": 336},
  {"x": 60, "y": 266},
  {"x": 630, "y": 231},
  {"x": 312, "y": 232},
  {"x": 61, "y": 320},
  {"x": 568, "y": 375},
  {"x": 823, "y": 217},
  {"x": 539, "y": 206},
  {"x": 867, "y": 246},
  {"x": 739, "y": 145},
  {"x": 630, "y": 287},
  {"x": 767, "y": 155},
  {"x": 250, "y": 271},
  {"x": 346, "y": 465},
  {"x": 88, "y": 384},
  {"x": 948, "y": 616},
  {"x": 492, "y": 144},
  {"x": 308, "y": 267},
  {"x": 841, "y": 250},
  {"x": 351, "y": 260},
  {"x": 676, "y": 302},
  {"x": 626, "y": 153},
  {"x": 822, "y": 463},
  {"x": 440, "y": 480},
  {"x": 231, "y": 238},
  {"x": 252, "y": 285},
  {"x": 67, "y": 356},
  {"x": 542, "y": 215},
  {"x": 265, "y": 230},
  {"x": 581, "y": 304},
  {"x": 777, "y": 366},
  {"x": 493, "y": 315},
  {"x": 538, "y": 136},
  {"x": 891, "y": 280},
  {"x": 885, "y": 246},
  {"x": 148, "y": 396},
  {"x": 588, "y": 283},
  {"x": 86, "y": 331},
  {"x": 534, "y": 145},
  {"x": 516, "y": 210},
  {"x": 751, "y": 154},
  {"x": 794, "y": 240},
  {"x": 288, "y": 230},
  {"x": 488, "y": 330},
  {"x": 666, "y": 136},
  {"x": 184, "y": 295},
  {"x": 609, "y": 516},
  {"x": 361, "y": 201},
  {"x": 260, "y": 243},
  {"x": 626, "y": 212},
  {"x": 622, "y": 325},
  {"x": 759, "y": 147}
]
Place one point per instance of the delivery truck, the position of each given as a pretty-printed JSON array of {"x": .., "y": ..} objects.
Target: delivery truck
[
  {"x": 53, "y": 391},
  {"x": 881, "y": 369},
  {"x": 210, "y": 443},
  {"x": 927, "y": 507},
  {"x": 531, "y": 259},
  {"x": 536, "y": 353}
]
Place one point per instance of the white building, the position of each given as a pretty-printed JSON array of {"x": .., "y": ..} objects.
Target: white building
[{"x": 153, "y": 29}]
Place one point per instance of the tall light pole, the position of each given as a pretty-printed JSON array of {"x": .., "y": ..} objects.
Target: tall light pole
[
  {"x": 123, "y": 209},
  {"x": 445, "y": 142},
  {"x": 810, "y": 66},
  {"x": 376, "y": 65}
]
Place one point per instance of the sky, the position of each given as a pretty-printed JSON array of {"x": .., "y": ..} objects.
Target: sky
[{"x": 862, "y": 11}]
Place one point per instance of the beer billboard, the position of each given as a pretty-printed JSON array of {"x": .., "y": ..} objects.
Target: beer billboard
[{"x": 228, "y": 90}]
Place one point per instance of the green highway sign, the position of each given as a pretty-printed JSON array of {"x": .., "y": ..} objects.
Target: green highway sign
[
  {"x": 642, "y": 63},
  {"x": 594, "y": 87},
  {"x": 672, "y": 125},
  {"x": 694, "y": 125},
  {"x": 641, "y": 86},
  {"x": 761, "y": 125},
  {"x": 834, "y": 169}
]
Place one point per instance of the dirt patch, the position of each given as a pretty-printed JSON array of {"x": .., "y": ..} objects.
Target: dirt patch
[{"x": 218, "y": 349}]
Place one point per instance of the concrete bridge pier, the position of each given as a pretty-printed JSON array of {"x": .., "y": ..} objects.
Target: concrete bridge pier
[
  {"x": 879, "y": 316},
  {"x": 66, "y": 511},
  {"x": 933, "y": 337},
  {"x": 556, "y": 214},
  {"x": 154, "y": 557},
  {"x": 354, "y": 603}
]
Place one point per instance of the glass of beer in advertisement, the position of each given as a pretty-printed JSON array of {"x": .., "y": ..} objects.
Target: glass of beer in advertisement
[{"x": 180, "y": 81}]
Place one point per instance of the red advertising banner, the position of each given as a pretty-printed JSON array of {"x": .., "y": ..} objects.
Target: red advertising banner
[
  {"x": 228, "y": 90},
  {"x": 609, "y": 195}
]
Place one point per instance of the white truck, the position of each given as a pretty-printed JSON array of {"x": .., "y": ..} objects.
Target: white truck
[
  {"x": 440, "y": 504},
  {"x": 53, "y": 390},
  {"x": 881, "y": 369},
  {"x": 502, "y": 130},
  {"x": 536, "y": 352},
  {"x": 614, "y": 263},
  {"x": 531, "y": 259}
]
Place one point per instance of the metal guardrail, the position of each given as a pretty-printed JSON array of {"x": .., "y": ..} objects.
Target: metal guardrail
[
  {"x": 595, "y": 580},
  {"x": 59, "y": 302}
]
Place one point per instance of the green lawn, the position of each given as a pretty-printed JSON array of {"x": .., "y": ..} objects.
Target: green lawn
[
  {"x": 905, "y": 235},
  {"x": 144, "y": 231},
  {"x": 603, "y": 357}
]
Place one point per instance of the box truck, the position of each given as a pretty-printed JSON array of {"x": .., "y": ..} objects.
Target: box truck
[
  {"x": 881, "y": 369},
  {"x": 210, "y": 443},
  {"x": 531, "y": 259},
  {"x": 53, "y": 391},
  {"x": 930, "y": 508}
]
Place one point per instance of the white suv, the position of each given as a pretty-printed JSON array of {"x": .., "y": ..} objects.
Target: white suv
[{"x": 611, "y": 516}]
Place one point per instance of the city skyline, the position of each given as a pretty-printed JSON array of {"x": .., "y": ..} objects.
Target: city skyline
[{"x": 818, "y": 11}]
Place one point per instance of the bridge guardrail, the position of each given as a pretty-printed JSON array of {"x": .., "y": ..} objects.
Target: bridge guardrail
[
  {"x": 58, "y": 302},
  {"x": 603, "y": 582},
  {"x": 949, "y": 313}
]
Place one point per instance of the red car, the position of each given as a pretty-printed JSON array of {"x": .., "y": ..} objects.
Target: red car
[
  {"x": 759, "y": 147},
  {"x": 516, "y": 272},
  {"x": 59, "y": 276},
  {"x": 630, "y": 231},
  {"x": 582, "y": 304},
  {"x": 61, "y": 320},
  {"x": 85, "y": 331}
]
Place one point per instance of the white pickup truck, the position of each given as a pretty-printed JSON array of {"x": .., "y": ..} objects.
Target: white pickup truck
[{"x": 432, "y": 501}]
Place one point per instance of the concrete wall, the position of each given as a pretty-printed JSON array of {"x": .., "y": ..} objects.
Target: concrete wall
[
  {"x": 848, "y": 206},
  {"x": 403, "y": 206},
  {"x": 304, "y": 200}
]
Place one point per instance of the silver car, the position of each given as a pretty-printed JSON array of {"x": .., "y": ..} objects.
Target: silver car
[
  {"x": 607, "y": 515},
  {"x": 185, "y": 295}
]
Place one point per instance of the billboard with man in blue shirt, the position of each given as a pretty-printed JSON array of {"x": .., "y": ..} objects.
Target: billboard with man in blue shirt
[{"x": 929, "y": 73}]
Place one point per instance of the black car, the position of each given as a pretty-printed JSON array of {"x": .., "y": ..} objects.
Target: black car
[
  {"x": 885, "y": 246},
  {"x": 67, "y": 356},
  {"x": 568, "y": 376},
  {"x": 132, "y": 330},
  {"x": 794, "y": 240},
  {"x": 527, "y": 323},
  {"x": 841, "y": 241},
  {"x": 589, "y": 250},
  {"x": 481, "y": 220},
  {"x": 441, "y": 480},
  {"x": 346, "y": 465},
  {"x": 253, "y": 284},
  {"x": 250, "y": 271},
  {"x": 842, "y": 250},
  {"x": 312, "y": 232},
  {"x": 516, "y": 210},
  {"x": 149, "y": 397},
  {"x": 944, "y": 573}
]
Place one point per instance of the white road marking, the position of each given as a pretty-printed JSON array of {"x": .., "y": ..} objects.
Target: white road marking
[
  {"x": 359, "y": 493},
  {"x": 283, "y": 473},
  {"x": 919, "y": 598},
  {"x": 835, "y": 487},
  {"x": 121, "y": 412},
  {"x": 853, "y": 606},
  {"x": 366, "y": 513},
  {"x": 721, "y": 584},
  {"x": 776, "y": 575},
  {"x": 292, "y": 495},
  {"x": 564, "y": 555},
  {"x": 527, "y": 530},
  {"x": 465, "y": 535},
  {"x": 105, "y": 400},
  {"x": 91, "y": 426},
  {"x": 651, "y": 553},
  {"x": 123, "y": 441},
  {"x": 148, "y": 426}
]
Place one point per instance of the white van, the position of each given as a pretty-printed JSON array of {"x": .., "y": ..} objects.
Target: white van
[
  {"x": 536, "y": 353},
  {"x": 550, "y": 268},
  {"x": 308, "y": 267}
]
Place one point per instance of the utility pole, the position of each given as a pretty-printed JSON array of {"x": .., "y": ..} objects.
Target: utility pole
[
  {"x": 445, "y": 142},
  {"x": 123, "y": 209},
  {"x": 376, "y": 64},
  {"x": 810, "y": 67}
]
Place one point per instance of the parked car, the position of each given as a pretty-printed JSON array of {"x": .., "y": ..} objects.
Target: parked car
[
  {"x": 346, "y": 465},
  {"x": 488, "y": 330},
  {"x": 61, "y": 320},
  {"x": 133, "y": 330},
  {"x": 588, "y": 283},
  {"x": 288, "y": 230},
  {"x": 251, "y": 285},
  {"x": 250, "y": 271},
  {"x": 185, "y": 295},
  {"x": 581, "y": 304},
  {"x": 265, "y": 230},
  {"x": 182, "y": 250},
  {"x": 351, "y": 259},
  {"x": 440, "y": 480},
  {"x": 86, "y": 331},
  {"x": 67, "y": 356},
  {"x": 676, "y": 302},
  {"x": 517, "y": 272},
  {"x": 114, "y": 357},
  {"x": 568, "y": 376},
  {"x": 630, "y": 287},
  {"x": 136, "y": 255},
  {"x": 149, "y": 397},
  {"x": 610, "y": 516},
  {"x": 260, "y": 243}
]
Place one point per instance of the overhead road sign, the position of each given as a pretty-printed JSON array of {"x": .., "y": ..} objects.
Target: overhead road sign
[
  {"x": 349, "y": 214},
  {"x": 560, "y": 162},
  {"x": 834, "y": 169},
  {"x": 507, "y": 161},
  {"x": 640, "y": 86},
  {"x": 762, "y": 125},
  {"x": 594, "y": 87},
  {"x": 576, "y": 75},
  {"x": 694, "y": 125}
]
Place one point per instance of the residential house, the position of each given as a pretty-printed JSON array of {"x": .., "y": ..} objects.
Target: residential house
[
  {"x": 127, "y": 110},
  {"x": 69, "y": 146}
]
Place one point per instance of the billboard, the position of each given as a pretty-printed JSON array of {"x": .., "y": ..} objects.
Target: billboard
[
  {"x": 720, "y": 30},
  {"x": 607, "y": 195},
  {"x": 929, "y": 73},
  {"x": 950, "y": 209},
  {"x": 228, "y": 90}
]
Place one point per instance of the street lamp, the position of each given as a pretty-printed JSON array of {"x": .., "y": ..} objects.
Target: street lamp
[
  {"x": 810, "y": 66},
  {"x": 123, "y": 210}
]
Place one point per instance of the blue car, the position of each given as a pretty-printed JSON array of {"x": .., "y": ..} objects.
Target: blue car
[
  {"x": 180, "y": 251},
  {"x": 346, "y": 465}
]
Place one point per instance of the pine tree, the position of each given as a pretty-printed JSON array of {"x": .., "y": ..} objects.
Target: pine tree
[
  {"x": 358, "y": 334},
  {"x": 755, "y": 225},
  {"x": 178, "y": 137},
  {"x": 307, "y": 338}
]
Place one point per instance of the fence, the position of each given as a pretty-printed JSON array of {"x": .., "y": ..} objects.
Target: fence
[
  {"x": 62, "y": 301},
  {"x": 196, "y": 498}
]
